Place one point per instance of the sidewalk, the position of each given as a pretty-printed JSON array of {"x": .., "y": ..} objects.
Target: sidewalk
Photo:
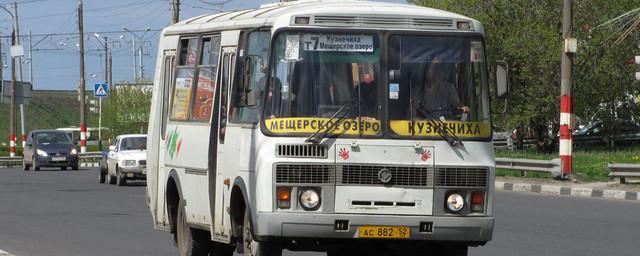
[{"x": 608, "y": 190}]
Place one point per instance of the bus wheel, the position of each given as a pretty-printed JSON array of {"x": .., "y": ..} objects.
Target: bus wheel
[
  {"x": 251, "y": 247},
  {"x": 190, "y": 242},
  {"x": 453, "y": 250}
]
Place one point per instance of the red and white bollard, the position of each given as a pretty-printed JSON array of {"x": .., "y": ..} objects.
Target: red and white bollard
[
  {"x": 566, "y": 126},
  {"x": 83, "y": 138},
  {"x": 12, "y": 145},
  {"x": 24, "y": 140}
]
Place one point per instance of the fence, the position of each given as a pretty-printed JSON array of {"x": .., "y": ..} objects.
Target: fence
[{"x": 524, "y": 165}]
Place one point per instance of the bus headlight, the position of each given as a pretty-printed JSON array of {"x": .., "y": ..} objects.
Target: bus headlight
[
  {"x": 310, "y": 199},
  {"x": 455, "y": 202}
]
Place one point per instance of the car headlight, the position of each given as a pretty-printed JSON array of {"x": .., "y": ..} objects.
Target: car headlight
[
  {"x": 455, "y": 202},
  {"x": 41, "y": 152},
  {"x": 128, "y": 162},
  {"x": 309, "y": 199},
  {"x": 73, "y": 152}
]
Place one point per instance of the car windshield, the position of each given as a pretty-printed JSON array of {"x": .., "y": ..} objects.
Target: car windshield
[
  {"x": 46, "y": 138},
  {"x": 440, "y": 78},
  {"x": 133, "y": 143},
  {"x": 315, "y": 74}
]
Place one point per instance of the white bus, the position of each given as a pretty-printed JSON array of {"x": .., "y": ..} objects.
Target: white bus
[{"x": 351, "y": 127}]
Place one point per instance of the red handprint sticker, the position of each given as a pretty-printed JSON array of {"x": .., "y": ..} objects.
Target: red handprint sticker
[
  {"x": 426, "y": 155},
  {"x": 343, "y": 153}
]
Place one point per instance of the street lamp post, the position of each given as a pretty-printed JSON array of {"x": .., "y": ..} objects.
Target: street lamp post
[{"x": 137, "y": 48}]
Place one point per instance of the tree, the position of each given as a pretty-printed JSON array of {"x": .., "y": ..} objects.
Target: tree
[
  {"x": 127, "y": 110},
  {"x": 527, "y": 34}
]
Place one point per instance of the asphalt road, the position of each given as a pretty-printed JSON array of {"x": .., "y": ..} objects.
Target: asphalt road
[{"x": 68, "y": 213}]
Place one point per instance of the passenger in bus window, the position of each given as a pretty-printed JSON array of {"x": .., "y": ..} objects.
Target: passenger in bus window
[{"x": 440, "y": 96}]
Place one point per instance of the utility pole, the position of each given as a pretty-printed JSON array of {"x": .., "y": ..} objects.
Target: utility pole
[
  {"x": 175, "y": 11},
  {"x": 16, "y": 25},
  {"x": 83, "y": 123},
  {"x": 12, "y": 91},
  {"x": 135, "y": 61},
  {"x": 30, "y": 59},
  {"x": 566, "y": 90},
  {"x": 106, "y": 80},
  {"x": 110, "y": 72},
  {"x": 140, "y": 56}
]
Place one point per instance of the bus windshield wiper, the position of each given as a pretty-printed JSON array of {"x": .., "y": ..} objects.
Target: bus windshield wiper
[
  {"x": 439, "y": 125},
  {"x": 330, "y": 125}
]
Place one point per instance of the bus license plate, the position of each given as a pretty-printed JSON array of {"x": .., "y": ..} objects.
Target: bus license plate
[
  {"x": 59, "y": 158},
  {"x": 384, "y": 232}
]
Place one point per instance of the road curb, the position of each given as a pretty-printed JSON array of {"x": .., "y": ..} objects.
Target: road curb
[{"x": 569, "y": 191}]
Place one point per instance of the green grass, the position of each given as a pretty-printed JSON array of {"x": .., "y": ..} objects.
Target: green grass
[{"x": 588, "y": 165}]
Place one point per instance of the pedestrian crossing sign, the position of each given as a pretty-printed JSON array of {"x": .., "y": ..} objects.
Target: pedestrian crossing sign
[{"x": 101, "y": 90}]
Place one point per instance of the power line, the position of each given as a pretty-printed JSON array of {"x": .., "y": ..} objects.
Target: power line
[{"x": 89, "y": 33}]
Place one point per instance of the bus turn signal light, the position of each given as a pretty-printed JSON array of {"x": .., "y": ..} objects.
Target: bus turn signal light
[
  {"x": 284, "y": 197},
  {"x": 477, "y": 201}
]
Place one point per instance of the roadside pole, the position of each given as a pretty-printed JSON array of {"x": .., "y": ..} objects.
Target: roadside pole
[
  {"x": 566, "y": 90},
  {"x": 23, "y": 136},
  {"x": 83, "y": 123},
  {"x": 12, "y": 91},
  {"x": 175, "y": 11}
]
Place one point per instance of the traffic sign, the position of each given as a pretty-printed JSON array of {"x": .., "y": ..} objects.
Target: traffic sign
[
  {"x": 101, "y": 90},
  {"x": 23, "y": 92}
]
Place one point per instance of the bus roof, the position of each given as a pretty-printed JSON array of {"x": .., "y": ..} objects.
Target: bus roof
[{"x": 329, "y": 13}]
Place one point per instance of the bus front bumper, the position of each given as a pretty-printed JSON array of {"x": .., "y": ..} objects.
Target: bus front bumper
[{"x": 322, "y": 226}]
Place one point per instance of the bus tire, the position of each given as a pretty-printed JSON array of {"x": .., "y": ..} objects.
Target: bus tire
[
  {"x": 190, "y": 242},
  {"x": 220, "y": 249},
  {"x": 251, "y": 247},
  {"x": 454, "y": 250}
]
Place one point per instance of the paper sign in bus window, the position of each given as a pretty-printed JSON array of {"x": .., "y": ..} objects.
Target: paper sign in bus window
[
  {"x": 394, "y": 91},
  {"x": 292, "y": 51}
]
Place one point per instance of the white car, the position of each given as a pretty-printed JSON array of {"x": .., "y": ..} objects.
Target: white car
[{"x": 126, "y": 160}]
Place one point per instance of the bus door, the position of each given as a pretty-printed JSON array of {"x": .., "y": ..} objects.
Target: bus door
[
  {"x": 159, "y": 140},
  {"x": 217, "y": 136}
]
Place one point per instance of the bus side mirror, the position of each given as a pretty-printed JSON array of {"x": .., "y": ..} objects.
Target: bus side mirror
[{"x": 502, "y": 80}]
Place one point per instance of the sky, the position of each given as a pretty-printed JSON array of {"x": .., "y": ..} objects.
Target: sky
[{"x": 53, "y": 24}]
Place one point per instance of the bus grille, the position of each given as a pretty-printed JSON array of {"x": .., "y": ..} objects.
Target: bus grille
[
  {"x": 461, "y": 177},
  {"x": 304, "y": 174},
  {"x": 301, "y": 151},
  {"x": 403, "y": 176}
]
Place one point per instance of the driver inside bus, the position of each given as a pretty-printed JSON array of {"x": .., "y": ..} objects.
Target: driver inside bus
[{"x": 439, "y": 96}]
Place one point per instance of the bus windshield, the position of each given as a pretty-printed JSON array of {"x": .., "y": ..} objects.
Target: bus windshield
[
  {"x": 315, "y": 74},
  {"x": 434, "y": 82},
  {"x": 437, "y": 78}
]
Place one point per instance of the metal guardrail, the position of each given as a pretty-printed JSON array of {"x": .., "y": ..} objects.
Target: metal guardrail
[
  {"x": 547, "y": 166},
  {"x": 624, "y": 171},
  {"x": 87, "y": 157}
]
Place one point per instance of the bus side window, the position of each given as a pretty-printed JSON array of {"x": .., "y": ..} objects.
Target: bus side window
[
  {"x": 182, "y": 88},
  {"x": 253, "y": 79}
]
